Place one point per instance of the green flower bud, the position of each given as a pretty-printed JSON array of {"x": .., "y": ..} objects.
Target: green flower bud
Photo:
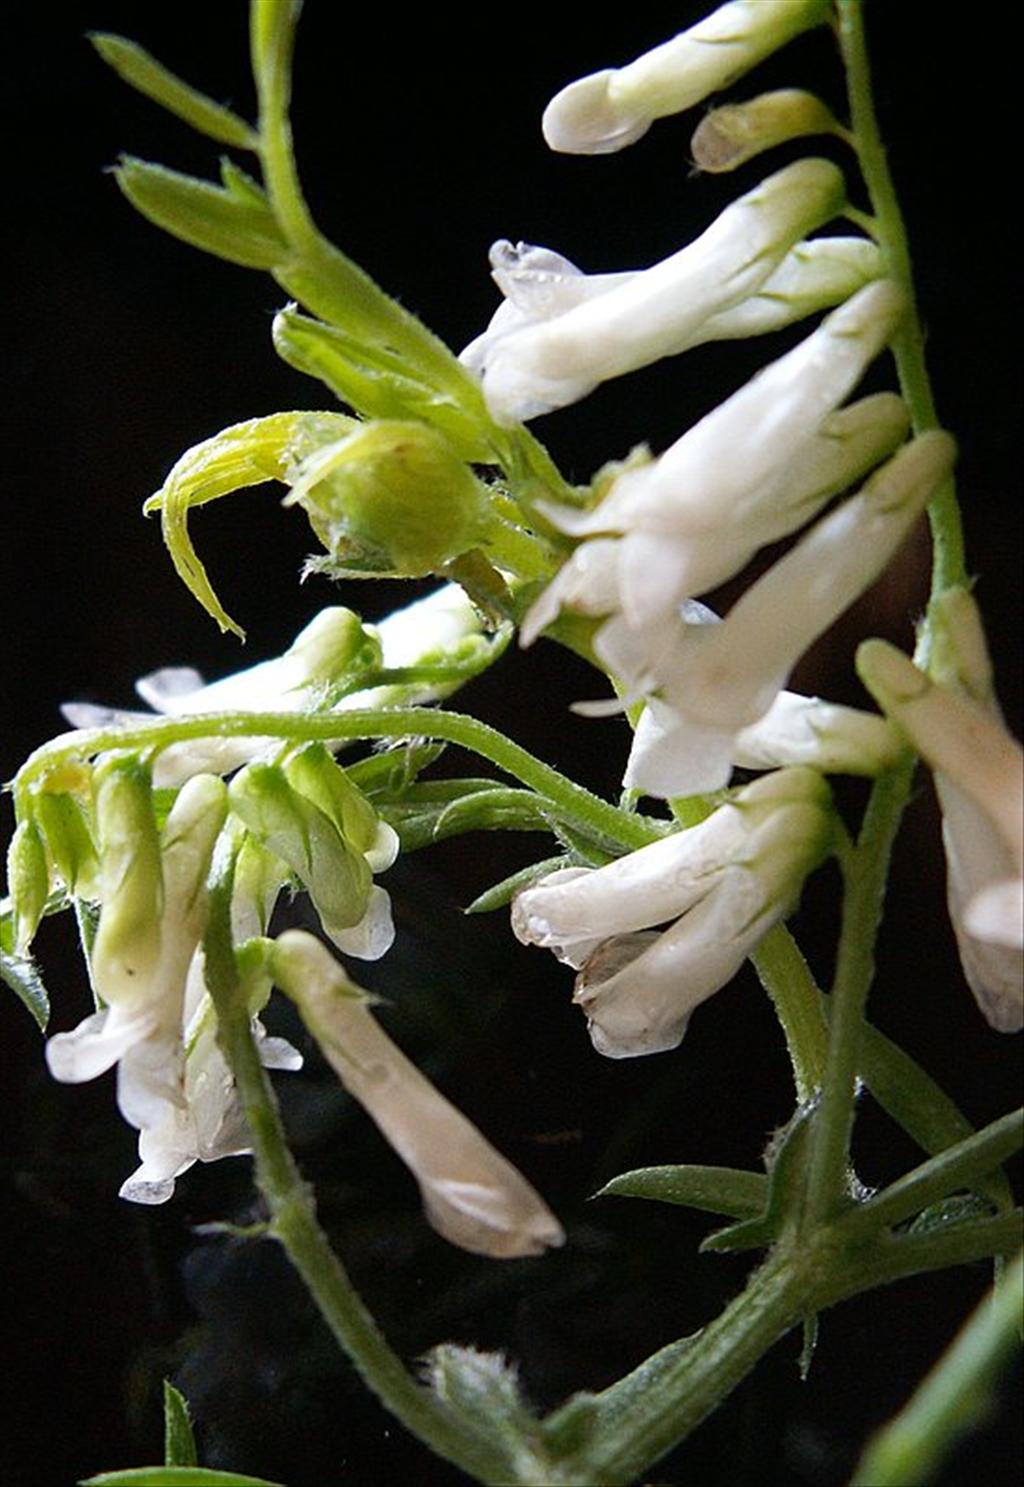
[
  {"x": 392, "y": 497},
  {"x": 316, "y": 775},
  {"x": 69, "y": 842},
  {"x": 285, "y": 822},
  {"x": 127, "y": 948},
  {"x": 28, "y": 877},
  {"x": 729, "y": 136}
]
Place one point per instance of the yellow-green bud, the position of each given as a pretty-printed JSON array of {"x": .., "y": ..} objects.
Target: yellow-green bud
[
  {"x": 283, "y": 821},
  {"x": 127, "y": 947},
  {"x": 69, "y": 841},
  {"x": 316, "y": 775},
  {"x": 392, "y": 497},
  {"x": 28, "y": 878},
  {"x": 729, "y": 136}
]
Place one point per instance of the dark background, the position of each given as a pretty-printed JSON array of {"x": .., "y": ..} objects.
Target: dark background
[{"x": 419, "y": 143}]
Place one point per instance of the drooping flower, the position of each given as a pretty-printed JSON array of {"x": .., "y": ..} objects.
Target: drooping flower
[
  {"x": 153, "y": 907},
  {"x": 615, "y": 107},
  {"x": 471, "y": 1194},
  {"x": 720, "y": 679},
  {"x": 549, "y": 363},
  {"x": 539, "y": 284},
  {"x": 956, "y": 726},
  {"x": 755, "y": 469},
  {"x": 724, "y": 883},
  {"x": 333, "y": 647}
]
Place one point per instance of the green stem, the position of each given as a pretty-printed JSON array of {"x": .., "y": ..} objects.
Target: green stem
[
  {"x": 954, "y": 1397},
  {"x": 863, "y": 900},
  {"x": 292, "y": 1211},
  {"x": 573, "y": 803},
  {"x": 890, "y": 231}
]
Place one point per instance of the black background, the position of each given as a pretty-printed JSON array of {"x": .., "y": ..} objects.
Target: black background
[{"x": 418, "y": 142}]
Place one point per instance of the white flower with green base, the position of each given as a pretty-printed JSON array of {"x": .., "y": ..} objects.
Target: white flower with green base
[{"x": 724, "y": 882}]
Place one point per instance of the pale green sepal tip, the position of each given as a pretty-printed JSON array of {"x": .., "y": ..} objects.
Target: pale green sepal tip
[
  {"x": 28, "y": 877},
  {"x": 179, "y": 1441},
  {"x": 135, "y": 66},
  {"x": 210, "y": 217}
]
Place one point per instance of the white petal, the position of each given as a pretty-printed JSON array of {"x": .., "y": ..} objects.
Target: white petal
[{"x": 374, "y": 935}]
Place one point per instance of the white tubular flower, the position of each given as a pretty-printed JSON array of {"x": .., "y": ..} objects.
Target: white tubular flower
[
  {"x": 724, "y": 882},
  {"x": 209, "y": 1122},
  {"x": 472, "y": 1196},
  {"x": 152, "y": 915},
  {"x": 550, "y": 363},
  {"x": 958, "y": 730},
  {"x": 539, "y": 284},
  {"x": 720, "y": 679},
  {"x": 611, "y": 109},
  {"x": 795, "y": 730},
  {"x": 441, "y": 625},
  {"x": 755, "y": 469}
]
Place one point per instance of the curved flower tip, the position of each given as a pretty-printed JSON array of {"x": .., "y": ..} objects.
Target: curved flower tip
[
  {"x": 979, "y": 779},
  {"x": 547, "y": 358},
  {"x": 611, "y": 109},
  {"x": 724, "y": 883},
  {"x": 471, "y": 1195}
]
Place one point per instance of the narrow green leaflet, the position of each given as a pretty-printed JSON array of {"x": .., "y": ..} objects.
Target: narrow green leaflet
[
  {"x": 134, "y": 65},
  {"x": 179, "y": 1441},
  {"x": 741, "y": 1195},
  {"x": 22, "y": 975},
  {"x": 954, "y": 1398},
  {"x": 920, "y": 1106},
  {"x": 214, "y": 218},
  {"x": 501, "y": 894}
]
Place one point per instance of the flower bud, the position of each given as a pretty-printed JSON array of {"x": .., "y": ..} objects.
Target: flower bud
[
  {"x": 68, "y": 840},
  {"x": 355, "y": 914},
  {"x": 611, "y": 109},
  {"x": 315, "y": 774},
  {"x": 472, "y": 1196},
  {"x": 28, "y": 880},
  {"x": 127, "y": 946},
  {"x": 730, "y": 136},
  {"x": 391, "y": 497}
]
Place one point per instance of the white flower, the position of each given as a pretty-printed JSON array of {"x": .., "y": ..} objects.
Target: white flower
[
  {"x": 795, "y": 730},
  {"x": 755, "y": 469},
  {"x": 958, "y": 730},
  {"x": 724, "y": 883},
  {"x": 442, "y": 623},
  {"x": 152, "y": 914},
  {"x": 539, "y": 284},
  {"x": 550, "y": 363},
  {"x": 613, "y": 108},
  {"x": 208, "y": 1123},
  {"x": 720, "y": 679},
  {"x": 471, "y": 1194}
]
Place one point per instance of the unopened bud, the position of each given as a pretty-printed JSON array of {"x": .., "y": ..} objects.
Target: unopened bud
[
  {"x": 28, "y": 879},
  {"x": 392, "y": 497},
  {"x": 127, "y": 947},
  {"x": 729, "y": 136}
]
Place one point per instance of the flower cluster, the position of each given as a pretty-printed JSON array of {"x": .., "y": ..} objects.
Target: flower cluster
[
  {"x": 291, "y": 814},
  {"x": 777, "y": 460}
]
